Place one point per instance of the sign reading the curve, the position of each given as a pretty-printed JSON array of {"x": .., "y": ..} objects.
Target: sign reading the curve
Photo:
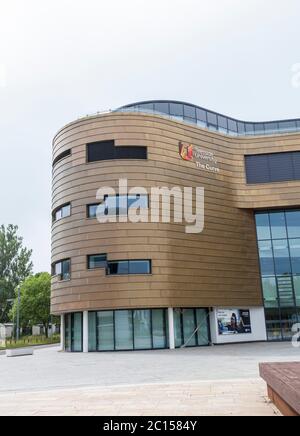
[{"x": 204, "y": 160}]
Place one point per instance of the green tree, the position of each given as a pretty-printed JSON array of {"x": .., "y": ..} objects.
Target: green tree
[
  {"x": 34, "y": 301},
  {"x": 15, "y": 266}
]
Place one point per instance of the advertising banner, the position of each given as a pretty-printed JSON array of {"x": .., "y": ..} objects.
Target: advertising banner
[{"x": 234, "y": 321}]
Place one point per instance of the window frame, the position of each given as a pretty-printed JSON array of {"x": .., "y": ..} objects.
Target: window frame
[
  {"x": 96, "y": 267},
  {"x": 128, "y": 261}
]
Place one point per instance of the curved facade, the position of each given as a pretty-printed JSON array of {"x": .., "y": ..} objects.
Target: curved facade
[{"x": 152, "y": 279}]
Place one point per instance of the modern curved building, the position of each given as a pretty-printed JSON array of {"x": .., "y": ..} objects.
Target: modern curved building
[{"x": 151, "y": 284}]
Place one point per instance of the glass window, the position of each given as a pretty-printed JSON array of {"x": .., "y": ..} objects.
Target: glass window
[
  {"x": 178, "y": 328},
  {"x": 176, "y": 109},
  {"x": 278, "y": 227},
  {"x": 295, "y": 255},
  {"x": 273, "y": 324},
  {"x": 142, "y": 329},
  {"x": 77, "y": 332},
  {"x": 161, "y": 107},
  {"x": 271, "y": 127},
  {"x": 270, "y": 291},
  {"x": 68, "y": 323},
  {"x": 123, "y": 330},
  {"x": 97, "y": 261},
  {"x": 266, "y": 258},
  {"x": 92, "y": 210},
  {"x": 249, "y": 128},
  {"x": 159, "y": 328},
  {"x": 232, "y": 125},
  {"x": 241, "y": 128},
  {"x": 289, "y": 317},
  {"x": 212, "y": 118},
  {"x": 119, "y": 205},
  {"x": 285, "y": 291},
  {"x": 92, "y": 332},
  {"x": 263, "y": 226},
  {"x": 136, "y": 201},
  {"x": 66, "y": 270},
  {"x": 63, "y": 269},
  {"x": 118, "y": 267},
  {"x": 106, "y": 150},
  {"x": 202, "y": 325},
  {"x": 297, "y": 289},
  {"x": 201, "y": 115},
  {"x": 281, "y": 257},
  {"x": 129, "y": 267},
  {"x": 62, "y": 212},
  {"x": 139, "y": 267},
  {"x": 222, "y": 122},
  {"x": 189, "y": 111},
  {"x": 105, "y": 330},
  {"x": 189, "y": 327},
  {"x": 259, "y": 129},
  {"x": 293, "y": 223}
]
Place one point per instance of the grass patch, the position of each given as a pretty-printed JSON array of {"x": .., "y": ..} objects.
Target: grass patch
[{"x": 30, "y": 341}]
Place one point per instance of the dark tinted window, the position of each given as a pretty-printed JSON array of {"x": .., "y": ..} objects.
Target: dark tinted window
[
  {"x": 257, "y": 169},
  {"x": 275, "y": 167},
  {"x": 129, "y": 267},
  {"x": 281, "y": 167},
  {"x": 106, "y": 150},
  {"x": 61, "y": 156}
]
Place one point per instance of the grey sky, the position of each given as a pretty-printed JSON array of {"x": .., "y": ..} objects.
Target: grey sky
[{"x": 60, "y": 59}]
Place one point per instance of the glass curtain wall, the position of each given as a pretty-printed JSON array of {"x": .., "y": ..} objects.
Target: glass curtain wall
[
  {"x": 140, "y": 329},
  {"x": 278, "y": 234},
  {"x": 191, "y": 327},
  {"x": 73, "y": 332}
]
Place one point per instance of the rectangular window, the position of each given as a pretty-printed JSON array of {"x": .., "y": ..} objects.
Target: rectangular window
[
  {"x": 125, "y": 267},
  {"x": 123, "y": 330},
  {"x": 92, "y": 331},
  {"x": 142, "y": 329},
  {"x": 73, "y": 332},
  {"x": 106, "y": 150},
  {"x": 105, "y": 330},
  {"x": 62, "y": 269},
  {"x": 159, "y": 328},
  {"x": 118, "y": 205},
  {"x": 270, "y": 291},
  {"x": 97, "y": 261},
  {"x": 279, "y": 253},
  {"x": 273, "y": 167},
  {"x": 61, "y": 212}
]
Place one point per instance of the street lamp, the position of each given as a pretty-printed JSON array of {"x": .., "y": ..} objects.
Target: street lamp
[{"x": 18, "y": 314}]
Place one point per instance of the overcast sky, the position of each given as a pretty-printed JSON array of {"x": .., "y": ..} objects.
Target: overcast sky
[{"x": 61, "y": 59}]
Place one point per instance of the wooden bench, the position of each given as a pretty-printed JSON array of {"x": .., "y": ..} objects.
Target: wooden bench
[{"x": 283, "y": 381}]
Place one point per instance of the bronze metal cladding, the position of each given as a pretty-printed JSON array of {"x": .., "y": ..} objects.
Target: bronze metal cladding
[{"x": 218, "y": 267}]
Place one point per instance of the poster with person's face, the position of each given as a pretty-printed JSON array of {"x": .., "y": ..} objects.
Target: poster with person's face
[{"x": 234, "y": 321}]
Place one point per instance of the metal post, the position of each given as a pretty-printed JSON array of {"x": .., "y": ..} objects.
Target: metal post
[{"x": 18, "y": 314}]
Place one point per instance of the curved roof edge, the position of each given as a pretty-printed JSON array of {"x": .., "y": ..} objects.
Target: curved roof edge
[{"x": 211, "y": 120}]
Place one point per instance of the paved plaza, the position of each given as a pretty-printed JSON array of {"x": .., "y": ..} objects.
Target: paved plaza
[{"x": 220, "y": 380}]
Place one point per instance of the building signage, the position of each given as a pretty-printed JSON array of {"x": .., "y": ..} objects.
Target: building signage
[
  {"x": 234, "y": 321},
  {"x": 204, "y": 160}
]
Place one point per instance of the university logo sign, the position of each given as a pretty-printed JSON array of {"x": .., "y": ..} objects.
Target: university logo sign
[
  {"x": 204, "y": 160},
  {"x": 186, "y": 151}
]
